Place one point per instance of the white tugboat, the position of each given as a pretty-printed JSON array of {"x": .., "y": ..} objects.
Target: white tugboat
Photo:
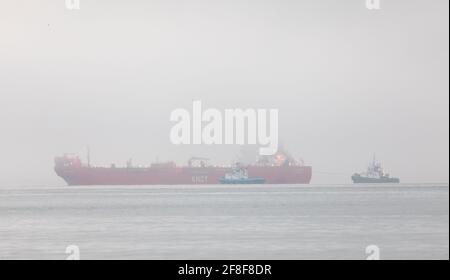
[{"x": 239, "y": 175}]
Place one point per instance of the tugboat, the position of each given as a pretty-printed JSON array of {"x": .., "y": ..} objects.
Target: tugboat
[
  {"x": 239, "y": 175},
  {"x": 374, "y": 174}
]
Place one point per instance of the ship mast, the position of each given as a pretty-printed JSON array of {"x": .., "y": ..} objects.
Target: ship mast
[{"x": 88, "y": 150}]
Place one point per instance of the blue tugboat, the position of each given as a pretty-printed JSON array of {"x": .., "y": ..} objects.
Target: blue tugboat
[
  {"x": 239, "y": 175},
  {"x": 374, "y": 174}
]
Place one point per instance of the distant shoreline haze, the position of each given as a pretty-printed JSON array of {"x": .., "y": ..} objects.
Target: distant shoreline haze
[{"x": 348, "y": 82}]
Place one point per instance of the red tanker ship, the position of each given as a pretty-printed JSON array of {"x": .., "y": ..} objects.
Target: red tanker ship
[{"x": 277, "y": 169}]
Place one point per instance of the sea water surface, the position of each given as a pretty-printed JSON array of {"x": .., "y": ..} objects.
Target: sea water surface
[{"x": 225, "y": 222}]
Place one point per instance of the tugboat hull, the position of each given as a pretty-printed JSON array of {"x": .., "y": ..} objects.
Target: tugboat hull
[
  {"x": 242, "y": 181},
  {"x": 358, "y": 179}
]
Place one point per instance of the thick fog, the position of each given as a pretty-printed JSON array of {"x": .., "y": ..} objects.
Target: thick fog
[{"x": 348, "y": 82}]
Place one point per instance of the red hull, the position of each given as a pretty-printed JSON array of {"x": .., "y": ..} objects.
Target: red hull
[{"x": 171, "y": 175}]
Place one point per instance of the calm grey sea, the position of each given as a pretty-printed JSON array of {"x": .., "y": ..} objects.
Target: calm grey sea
[{"x": 225, "y": 222}]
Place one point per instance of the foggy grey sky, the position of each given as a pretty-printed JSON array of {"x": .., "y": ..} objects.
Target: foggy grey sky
[{"x": 347, "y": 81}]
